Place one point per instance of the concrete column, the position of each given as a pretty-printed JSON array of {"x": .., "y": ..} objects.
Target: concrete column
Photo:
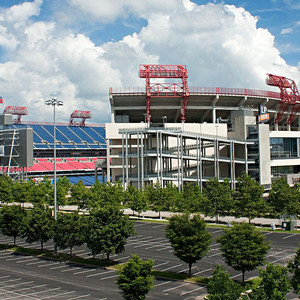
[{"x": 112, "y": 114}]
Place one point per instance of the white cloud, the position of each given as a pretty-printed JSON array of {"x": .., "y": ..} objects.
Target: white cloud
[
  {"x": 220, "y": 44},
  {"x": 286, "y": 30}
]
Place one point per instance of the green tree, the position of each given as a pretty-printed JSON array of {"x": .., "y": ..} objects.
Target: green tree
[
  {"x": 243, "y": 247},
  {"x": 156, "y": 197},
  {"x": 135, "y": 279},
  {"x": 41, "y": 192},
  {"x": 6, "y": 184},
  {"x": 62, "y": 188},
  {"x": 284, "y": 199},
  {"x": 108, "y": 231},
  {"x": 189, "y": 238},
  {"x": 80, "y": 195},
  {"x": 222, "y": 287},
  {"x": 136, "y": 199},
  {"x": 219, "y": 197},
  {"x": 38, "y": 225},
  {"x": 248, "y": 198},
  {"x": 192, "y": 198},
  {"x": 11, "y": 220},
  {"x": 20, "y": 191},
  {"x": 69, "y": 230},
  {"x": 294, "y": 268},
  {"x": 275, "y": 284}
]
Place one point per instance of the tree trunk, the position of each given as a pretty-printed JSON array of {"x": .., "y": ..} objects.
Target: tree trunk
[
  {"x": 107, "y": 255},
  {"x": 190, "y": 269},
  {"x": 42, "y": 246},
  {"x": 159, "y": 215},
  {"x": 15, "y": 238},
  {"x": 243, "y": 278},
  {"x": 217, "y": 218},
  {"x": 71, "y": 251}
]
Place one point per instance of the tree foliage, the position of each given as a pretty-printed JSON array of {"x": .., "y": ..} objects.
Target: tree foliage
[
  {"x": 108, "y": 231},
  {"x": 219, "y": 197},
  {"x": 222, "y": 287},
  {"x": 248, "y": 198},
  {"x": 136, "y": 199},
  {"x": 243, "y": 247},
  {"x": 275, "y": 284},
  {"x": 6, "y": 184},
  {"x": 294, "y": 268},
  {"x": 62, "y": 188},
  {"x": 38, "y": 225},
  {"x": 135, "y": 279},
  {"x": 11, "y": 220},
  {"x": 69, "y": 230},
  {"x": 189, "y": 238}
]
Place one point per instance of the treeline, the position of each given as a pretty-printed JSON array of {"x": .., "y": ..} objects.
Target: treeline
[
  {"x": 105, "y": 230},
  {"x": 216, "y": 199}
]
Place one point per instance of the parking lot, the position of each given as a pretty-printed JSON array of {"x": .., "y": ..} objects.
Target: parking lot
[{"x": 29, "y": 277}]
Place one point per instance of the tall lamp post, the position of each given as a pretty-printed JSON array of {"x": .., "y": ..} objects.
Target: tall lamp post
[{"x": 54, "y": 102}]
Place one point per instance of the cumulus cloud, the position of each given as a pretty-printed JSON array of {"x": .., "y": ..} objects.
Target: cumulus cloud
[{"x": 220, "y": 44}]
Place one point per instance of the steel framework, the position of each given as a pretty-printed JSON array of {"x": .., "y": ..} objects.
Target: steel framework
[
  {"x": 16, "y": 110},
  {"x": 83, "y": 114},
  {"x": 289, "y": 96},
  {"x": 165, "y": 89}
]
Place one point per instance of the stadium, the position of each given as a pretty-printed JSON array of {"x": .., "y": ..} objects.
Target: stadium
[{"x": 167, "y": 132}]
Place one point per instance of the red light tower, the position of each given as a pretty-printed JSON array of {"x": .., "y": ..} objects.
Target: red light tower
[
  {"x": 289, "y": 95},
  {"x": 18, "y": 111},
  {"x": 165, "y": 89},
  {"x": 83, "y": 114}
]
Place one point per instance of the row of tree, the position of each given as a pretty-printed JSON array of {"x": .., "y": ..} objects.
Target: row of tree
[
  {"x": 216, "y": 199},
  {"x": 104, "y": 231}
]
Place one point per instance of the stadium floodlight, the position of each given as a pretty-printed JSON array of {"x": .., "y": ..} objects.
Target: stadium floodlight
[
  {"x": 54, "y": 102},
  {"x": 165, "y": 119}
]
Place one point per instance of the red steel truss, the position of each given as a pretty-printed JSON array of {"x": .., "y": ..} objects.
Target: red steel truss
[
  {"x": 83, "y": 114},
  {"x": 289, "y": 96},
  {"x": 165, "y": 89},
  {"x": 17, "y": 111}
]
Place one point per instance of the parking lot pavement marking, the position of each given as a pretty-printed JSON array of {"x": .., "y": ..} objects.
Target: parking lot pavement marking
[
  {"x": 276, "y": 253},
  {"x": 194, "y": 290},
  {"x": 176, "y": 287},
  {"x": 139, "y": 241},
  {"x": 203, "y": 271},
  {"x": 35, "y": 263},
  {"x": 58, "y": 295},
  {"x": 4, "y": 276},
  {"x": 11, "y": 280},
  {"x": 149, "y": 243},
  {"x": 58, "y": 267},
  {"x": 172, "y": 267},
  {"x": 15, "y": 294},
  {"x": 171, "y": 250},
  {"x": 71, "y": 269},
  {"x": 104, "y": 278},
  {"x": 140, "y": 224},
  {"x": 82, "y": 296},
  {"x": 85, "y": 271},
  {"x": 236, "y": 275},
  {"x": 6, "y": 255},
  {"x": 166, "y": 282},
  {"x": 215, "y": 254},
  {"x": 26, "y": 260},
  {"x": 44, "y": 291},
  {"x": 282, "y": 258},
  {"x": 187, "y": 269},
  {"x": 217, "y": 231},
  {"x": 117, "y": 259},
  {"x": 155, "y": 246},
  {"x": 160, "y": 264},
  {"x": 17, "y": 284},
  {"x": 49, "y": 264},
  {"x": 162, "y": 225},
  {"x": 289, "y": 236},
  {"x": 98, "y": 274},
  {"x": 24, "y": 289},
  {"x": 268, "y": 233},
  {"x": 19, "y": 257},
  {"x": 161, "y": 249}
]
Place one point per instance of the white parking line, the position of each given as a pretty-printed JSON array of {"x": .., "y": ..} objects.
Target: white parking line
[
  {"x": 218, "y": 231},
  {"x": 44, "y": 291},
  {"x": 35, "y": 263},
  {"x": 121, "y": 258},
  {"x": 98, "y": 274},
  {"x": 202, "y": 271},
  {"x": 59, "y": 267},
  {"x": 289, "y": 236},
  {"x": 22, "y": 283},
  {"x": 215, "y": 254},
  {"x": 268, "y": 233},
  {"x": 17, "y": 258},
  {"x": 162, "y": 225},
  {"x": 282, "y": 258},
  {"x": 141, "y": 224},
  {"x": 276, "y": 253},
  {"x": 71, "y": 269},
  {"x": 4, "y": 276},
  {"x": 166, "y": 282},
  {"x": 171, "y": 267},
  {"x": 83, "y": 296},
  {"x": 176, "y": 287},
  {"x": 150, "y": 243},
  {"x": 236, "y": 275},
  {"x": 160, "y": 264},
  {"x": 85, "y": 271},
  {"x": 24, "y": 289},
  {"x": 11, "y": 280},
  {"x": 188, "y": 292},
  {"x": 57, "y": 295},
  {"x": 49, "y": 264},
  {"x": 164, "y": 248},
  {"x": 155, "y": 246},
  {"x": 26, "y": 260},
  {"x": 104, "y": 278}
]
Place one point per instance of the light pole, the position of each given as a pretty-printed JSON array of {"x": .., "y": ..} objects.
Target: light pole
[
  {"x": 165, "y": 120},
  {"x": 54, "y": 102}
]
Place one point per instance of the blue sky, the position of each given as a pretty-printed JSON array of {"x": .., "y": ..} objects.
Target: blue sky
[{"x": 76, "y": 49}]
